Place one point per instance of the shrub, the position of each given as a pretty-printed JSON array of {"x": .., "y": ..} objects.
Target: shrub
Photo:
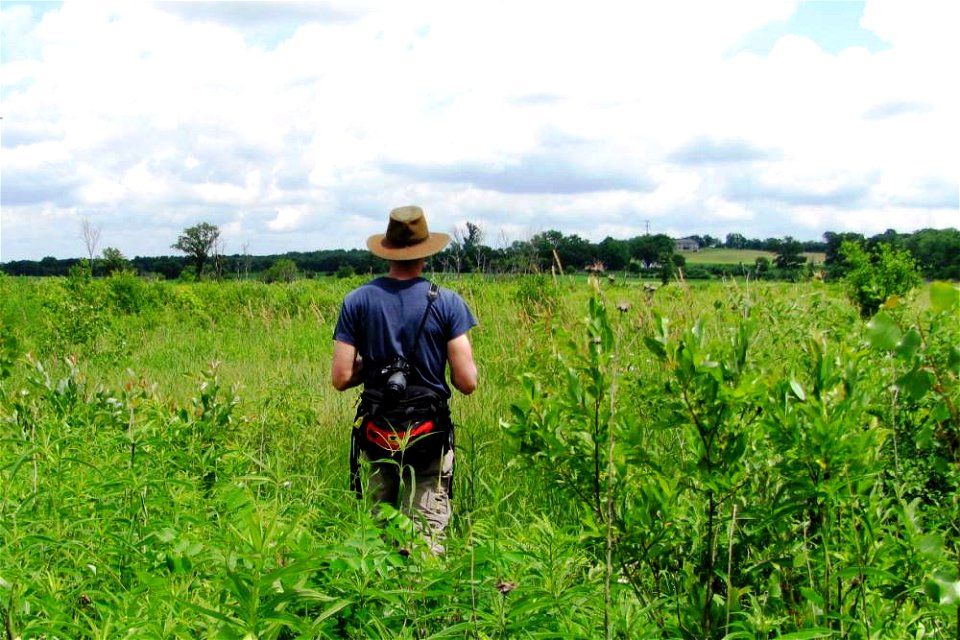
[
  {"x": 696, "y": 272},
  {"x": 876, "y": 276},
  {"x": 283, "y": 270},
  {"x": 128, "y": 293}
]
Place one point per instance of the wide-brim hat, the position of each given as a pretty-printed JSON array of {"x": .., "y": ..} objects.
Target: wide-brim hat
[{"x": 407, "y": 237}]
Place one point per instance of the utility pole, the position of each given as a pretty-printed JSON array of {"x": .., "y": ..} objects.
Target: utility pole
[{"x": 647, "y": 221}]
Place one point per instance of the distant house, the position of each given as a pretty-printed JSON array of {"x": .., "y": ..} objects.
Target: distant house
[{"x": 686, "y": 244}]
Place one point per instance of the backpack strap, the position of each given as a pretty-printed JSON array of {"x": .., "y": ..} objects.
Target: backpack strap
[{"x": 432, "y": 296}]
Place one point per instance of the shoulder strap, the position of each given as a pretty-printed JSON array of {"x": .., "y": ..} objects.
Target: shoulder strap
[{"x": 432, "y": 296}]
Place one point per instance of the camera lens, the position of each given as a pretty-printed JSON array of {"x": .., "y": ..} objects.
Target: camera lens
[{"x": 397, "y": 383}]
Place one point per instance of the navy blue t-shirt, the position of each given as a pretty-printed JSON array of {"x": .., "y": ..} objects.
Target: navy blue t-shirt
[{"x": 381, "y": 317}]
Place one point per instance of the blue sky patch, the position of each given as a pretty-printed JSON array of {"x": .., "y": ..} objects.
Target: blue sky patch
[{"x": 834, "y": 25}]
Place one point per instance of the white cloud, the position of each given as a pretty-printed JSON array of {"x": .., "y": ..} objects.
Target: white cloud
[
  {"x": 287, "y": 219},
  {"x": 157, "y": 116},
  {"x": 101, "y": 191}
]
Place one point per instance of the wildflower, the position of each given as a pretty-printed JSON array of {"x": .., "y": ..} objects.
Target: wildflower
[{"x": 505, "y": 586}]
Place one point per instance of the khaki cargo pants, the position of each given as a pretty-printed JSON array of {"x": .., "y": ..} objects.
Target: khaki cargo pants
[{"x": 422, "y": 493}]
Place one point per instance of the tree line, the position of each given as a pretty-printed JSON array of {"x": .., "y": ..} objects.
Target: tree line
[{"x": 935, "y": 251}]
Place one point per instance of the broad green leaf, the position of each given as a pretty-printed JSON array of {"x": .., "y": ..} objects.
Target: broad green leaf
[
  {"x": 944, "y": 296},
  {"x": 908, "y": 345},
  {"x": 941, "y": 413},
  {"x": 883, "y": 332},
  {"x": 916, "y": 383}
]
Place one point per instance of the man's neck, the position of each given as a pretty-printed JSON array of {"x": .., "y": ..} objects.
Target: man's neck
[{"x": 407, "y": 270}]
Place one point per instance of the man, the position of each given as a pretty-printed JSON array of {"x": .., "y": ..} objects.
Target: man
[{"x": 401, "y": 322}]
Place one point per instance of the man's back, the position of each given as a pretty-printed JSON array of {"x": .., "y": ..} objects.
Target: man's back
[
  {"x": 382, "y": 319},
  {"x": 379, "y": 323}
]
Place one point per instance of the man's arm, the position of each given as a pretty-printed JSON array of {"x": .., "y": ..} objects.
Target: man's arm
[
  {"x": 463, "y": 370},
  {"x": 345, "y": 371}
]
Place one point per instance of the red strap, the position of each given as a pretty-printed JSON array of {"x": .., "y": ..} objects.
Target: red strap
[{"x": 392, "y": 439}]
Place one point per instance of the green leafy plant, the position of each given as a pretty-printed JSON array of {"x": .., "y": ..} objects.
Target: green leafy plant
[
  {"x": 872, "y": 278},
  {"x": 733, "y": 460}
]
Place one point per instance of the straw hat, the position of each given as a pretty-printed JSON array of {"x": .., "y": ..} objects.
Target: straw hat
[{"x": 407, "y": 237}]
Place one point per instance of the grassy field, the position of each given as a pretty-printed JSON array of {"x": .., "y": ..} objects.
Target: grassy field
[
  {"x": 739, "y": 256},
  {"x": 731, "y": 460}
]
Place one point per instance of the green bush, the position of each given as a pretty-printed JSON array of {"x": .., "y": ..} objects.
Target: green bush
[
  {"x": 128, "y": 293},
  {"x": 873, "y": 278},
  {"x": 283, "y": 270}
]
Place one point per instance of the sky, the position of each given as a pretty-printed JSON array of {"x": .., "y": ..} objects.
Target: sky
[{"x": 298, "y": 126}]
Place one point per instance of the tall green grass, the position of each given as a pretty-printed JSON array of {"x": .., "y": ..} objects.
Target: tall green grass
[{"x": 174, "y": 464}]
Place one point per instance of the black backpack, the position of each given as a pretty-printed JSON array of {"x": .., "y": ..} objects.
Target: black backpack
[{"x": 412, "y": 429}]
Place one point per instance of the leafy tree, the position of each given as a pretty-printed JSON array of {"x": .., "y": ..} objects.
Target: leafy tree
[
  {"x": 735, "y": 241},
  {"x": 167, "y": 266},
  {"x": 937, "y": 251},
  {"x": 474, "y": 250},
  {"x": 814, "y": 246},
  {"x": 651, "y": 249},
  {"x": 453, "y": 255},
  {"x": 466, "y": 249},
  {"x": 546, "y": 244},
  {"x": 890, "y": 237},
  {"x": 770, "y": 244},
  {"x": 615, "y": 254},
  {"x": 576, "y": 252},
  {"x": 113, "y": 260},
  {"x": 283, "y": 270},
  {"x": 872, "y": 278},
  {"x": 832, "y": 260},
  {"x": 521, "y": 256},
  {"x": 789, "y": 254},
  {"x": 570, "y": 250},
  {"x": 198, "y": 242}
]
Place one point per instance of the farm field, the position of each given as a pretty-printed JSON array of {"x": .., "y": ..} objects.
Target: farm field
[
  {"x": 730, "y": 460},
  {"x": 739, "y": 256}
]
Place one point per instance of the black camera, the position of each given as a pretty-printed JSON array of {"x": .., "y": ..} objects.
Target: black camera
[{"x": 395, "y": 374}]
